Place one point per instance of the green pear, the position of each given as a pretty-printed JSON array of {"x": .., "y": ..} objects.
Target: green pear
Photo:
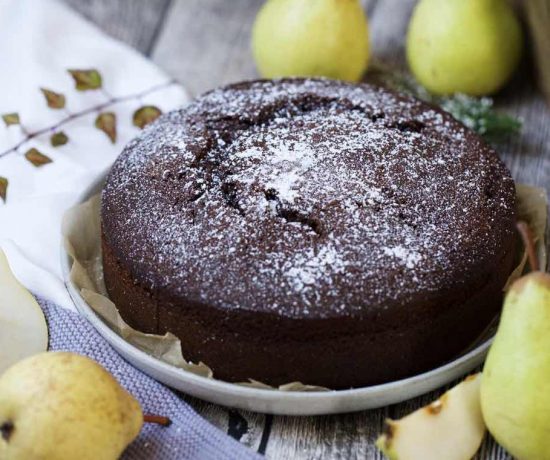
[
  {"x": 61, "y": 406},
  {"x": 327, "y": 38},
  {"x": 463, "y": 46},
  {"x": 23, "y": 329},
  {"x": 515, "y": 389},
  {"x": 450, "y": 428}
]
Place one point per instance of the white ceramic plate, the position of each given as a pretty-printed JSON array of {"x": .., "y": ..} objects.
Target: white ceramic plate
[{"x": 273, "y": 401}]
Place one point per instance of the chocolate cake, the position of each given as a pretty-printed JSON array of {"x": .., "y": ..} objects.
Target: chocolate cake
[{"x": 309, "y": 230}]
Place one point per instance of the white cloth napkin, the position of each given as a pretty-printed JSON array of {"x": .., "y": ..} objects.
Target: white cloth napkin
[{"x": 39, "y": 42}]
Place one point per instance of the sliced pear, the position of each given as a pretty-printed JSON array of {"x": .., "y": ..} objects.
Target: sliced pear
[
  {"x": 23, "y": 328},
  {"x": 451, "y": 427}
]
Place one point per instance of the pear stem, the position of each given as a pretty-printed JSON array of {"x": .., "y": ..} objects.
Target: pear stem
[
  {"x": 529, "y": 242},
  {"x": 158, "y": 419}
]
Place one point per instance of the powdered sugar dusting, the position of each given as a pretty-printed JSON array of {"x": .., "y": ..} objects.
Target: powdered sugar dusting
[
  {"x": 284, "y": 162},
  {"x": 307, "y": 269},
  {"x": 307, "y": 198},
  {"x": 406, "y": 256}
]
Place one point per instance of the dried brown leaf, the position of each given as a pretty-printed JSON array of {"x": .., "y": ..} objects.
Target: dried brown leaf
[
  {"x": 53, "y": 99},
  {"x": 86, "y": 79},
  {"x": 11, "y": 118},
  {"x": 58, "y": 138},
  {"x": 145, "y": 115},
  {"x": 106, "y": 122},
  {"x": 3, "y": 188},
  {"x": 37, "y": 158}
]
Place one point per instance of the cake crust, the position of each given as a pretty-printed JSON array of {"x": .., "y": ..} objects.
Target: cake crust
[{"x": 314, "y": 230}]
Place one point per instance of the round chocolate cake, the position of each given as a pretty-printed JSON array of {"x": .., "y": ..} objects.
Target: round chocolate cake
[{"x": 309, "y": 230}]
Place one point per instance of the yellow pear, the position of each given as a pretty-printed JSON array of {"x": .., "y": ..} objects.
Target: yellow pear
[
  {"x": 23, "y": 329},
  {"x": 327, "y": 38},
  {"x": 515, "y": 390},
  {"x": 463, "y": 46},
  {"x": 450, "y": 428},
  {"x": 61, "y": 406}
]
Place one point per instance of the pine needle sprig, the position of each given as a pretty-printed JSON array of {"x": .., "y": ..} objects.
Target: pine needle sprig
[{"x": 477, "y": 114}]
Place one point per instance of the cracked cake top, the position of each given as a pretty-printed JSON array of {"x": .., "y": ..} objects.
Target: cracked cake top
[{"x": 307, "y": 198}]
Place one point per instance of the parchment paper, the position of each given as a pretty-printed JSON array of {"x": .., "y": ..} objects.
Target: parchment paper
[{"x": 81, "y": 236}]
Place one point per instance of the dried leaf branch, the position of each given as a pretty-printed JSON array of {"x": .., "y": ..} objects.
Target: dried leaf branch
[
  {"x": 37, "y": 158},
  {"x": 13, "y": 118},
  {"x": 58, "y": 138},
  {"x": 85, "y": 80},
  {"x": 3, "y": 188},
  {"x": 106, "y": 122},
  {"x": 145, "y": 115},
  {"x": 53, "y": 99}
]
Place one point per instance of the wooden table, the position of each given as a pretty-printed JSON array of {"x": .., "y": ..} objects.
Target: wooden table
[{"x": 205, "y": 43}]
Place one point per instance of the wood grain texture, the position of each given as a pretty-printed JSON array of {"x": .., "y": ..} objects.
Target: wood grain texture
[
  {"x": 223, "y": 417},
  {"x": 136, "y": 23},
  {"x": 205, "y": 43}
]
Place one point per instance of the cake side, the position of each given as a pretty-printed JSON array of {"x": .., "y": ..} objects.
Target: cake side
[{"x": 335, "y": 353}]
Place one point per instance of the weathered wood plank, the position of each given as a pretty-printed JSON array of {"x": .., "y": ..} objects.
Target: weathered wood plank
[
  {"x": 388, "y": 27},
  {"x": 349, "y": 436},
  {"x": 136, "y": 23},
  {"x": 528, "y": 156},
  {"x": 207, "y": 43},
  {"x": 246, "y": 427}
]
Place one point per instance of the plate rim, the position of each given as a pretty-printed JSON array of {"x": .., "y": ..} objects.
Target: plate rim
[{"x": 268, "y": 400}]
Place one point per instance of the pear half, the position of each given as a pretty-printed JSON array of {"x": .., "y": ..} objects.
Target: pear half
[
  {"x": 23, "y": 328},
  {"x": 451, "y": 427}
]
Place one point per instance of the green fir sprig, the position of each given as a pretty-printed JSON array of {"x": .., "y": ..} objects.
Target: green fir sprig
[{"x": 477, "y": 114}]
